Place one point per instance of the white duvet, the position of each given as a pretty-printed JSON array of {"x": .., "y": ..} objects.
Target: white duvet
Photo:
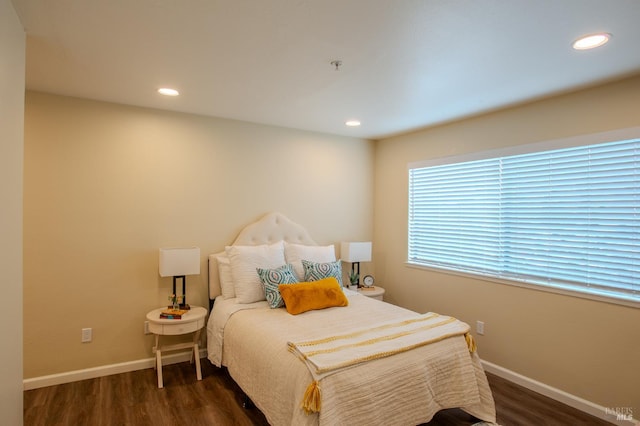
[{"x": 404, "y": 389}]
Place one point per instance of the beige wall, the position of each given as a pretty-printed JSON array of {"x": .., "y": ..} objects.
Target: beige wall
[
  {"x": 12, "y": 64},
  {"x": 587, "y": 348},
  {"x": 106, "y": 185}
]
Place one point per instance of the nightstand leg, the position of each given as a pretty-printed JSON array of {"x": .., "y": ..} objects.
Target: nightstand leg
[
  {"x": 159, "y": 367},
  {"x": 196, "y": 354}
]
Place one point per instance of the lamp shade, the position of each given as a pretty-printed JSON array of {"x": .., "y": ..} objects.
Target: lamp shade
[
  {"x": 355, "y": 252},
  {"x": 179, "y": 261}
]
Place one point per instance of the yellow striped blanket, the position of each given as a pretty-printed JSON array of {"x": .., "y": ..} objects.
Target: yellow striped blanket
[{"x": 331, "y": 354}]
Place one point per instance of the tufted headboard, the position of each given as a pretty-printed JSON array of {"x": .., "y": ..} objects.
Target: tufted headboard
[{"x": 271, "y": 228}]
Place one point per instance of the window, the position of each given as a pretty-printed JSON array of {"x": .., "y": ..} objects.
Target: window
[{"x": 564, "y": 218}]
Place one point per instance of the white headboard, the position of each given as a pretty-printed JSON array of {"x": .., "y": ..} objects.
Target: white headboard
[{"x": 271, "y": 228}]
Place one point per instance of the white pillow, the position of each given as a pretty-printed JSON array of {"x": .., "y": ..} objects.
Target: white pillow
[
  {"x": 296, "y": 253},
  {"x": 226, "y": 279},
  {"x": 244, "y": 261}
]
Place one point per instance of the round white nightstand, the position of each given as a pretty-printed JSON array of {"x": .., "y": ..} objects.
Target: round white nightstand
[
  {"x": 373, "y": 292},
  {"x": 191, "y": 322}
]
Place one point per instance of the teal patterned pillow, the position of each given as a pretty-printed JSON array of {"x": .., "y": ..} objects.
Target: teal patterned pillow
[
  {"x": 271, "y": 278},
  {"x": 314, "y": 271}
]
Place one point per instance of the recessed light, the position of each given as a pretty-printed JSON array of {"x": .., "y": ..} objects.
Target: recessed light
[
  {"x": 352, "y": 123},
  {"x": 168, "y": 92},
  {"x": 591, "y": 41}
]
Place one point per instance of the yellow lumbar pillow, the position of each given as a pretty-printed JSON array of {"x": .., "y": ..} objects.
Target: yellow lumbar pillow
[{"x": 303, "y": 297}]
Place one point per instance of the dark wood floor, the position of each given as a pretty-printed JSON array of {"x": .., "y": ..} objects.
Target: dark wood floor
[{"x": 134, "y": 399}]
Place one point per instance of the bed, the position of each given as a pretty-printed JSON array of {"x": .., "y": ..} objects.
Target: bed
[{"x": 263, "y": 347}]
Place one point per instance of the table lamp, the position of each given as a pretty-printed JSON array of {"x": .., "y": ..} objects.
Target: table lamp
[
  {"x": 178, "y": 263},
  {"x": 355, "y": 252}
]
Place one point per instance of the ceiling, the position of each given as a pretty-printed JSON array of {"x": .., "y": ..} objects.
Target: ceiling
[{"x": 406, "y": 64}]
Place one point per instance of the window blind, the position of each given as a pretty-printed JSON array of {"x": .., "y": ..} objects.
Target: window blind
[{"x": 566, "y": 218}]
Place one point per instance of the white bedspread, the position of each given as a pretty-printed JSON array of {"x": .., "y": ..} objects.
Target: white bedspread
[{"x": 407, "y": 388}]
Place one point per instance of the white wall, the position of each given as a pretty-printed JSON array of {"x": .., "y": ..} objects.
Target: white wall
[{"x": 12, "y": 68}]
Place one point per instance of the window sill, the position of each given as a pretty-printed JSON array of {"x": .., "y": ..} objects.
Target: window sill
[{"x": 530, "y": 286}]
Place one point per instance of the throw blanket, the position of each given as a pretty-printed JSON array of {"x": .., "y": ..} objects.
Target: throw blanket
[{"x": 334, "y": 353}]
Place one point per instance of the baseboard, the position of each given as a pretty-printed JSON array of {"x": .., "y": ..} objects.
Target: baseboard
[
  {"x": 566, "y": 398},
  {"x": 106, "y": 370}
]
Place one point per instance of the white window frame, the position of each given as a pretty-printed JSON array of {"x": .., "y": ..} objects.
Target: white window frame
[{"x": 583, "y": 140}]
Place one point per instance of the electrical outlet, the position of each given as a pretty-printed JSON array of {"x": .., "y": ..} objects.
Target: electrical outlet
[
  {"x": 146, "y": 327},
  {"x": 480, "y": 327},
  {"x": 86, "y": 335}
]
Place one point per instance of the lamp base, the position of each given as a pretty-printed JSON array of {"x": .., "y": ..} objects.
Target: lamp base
[{"x": 182, "y": 307}]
